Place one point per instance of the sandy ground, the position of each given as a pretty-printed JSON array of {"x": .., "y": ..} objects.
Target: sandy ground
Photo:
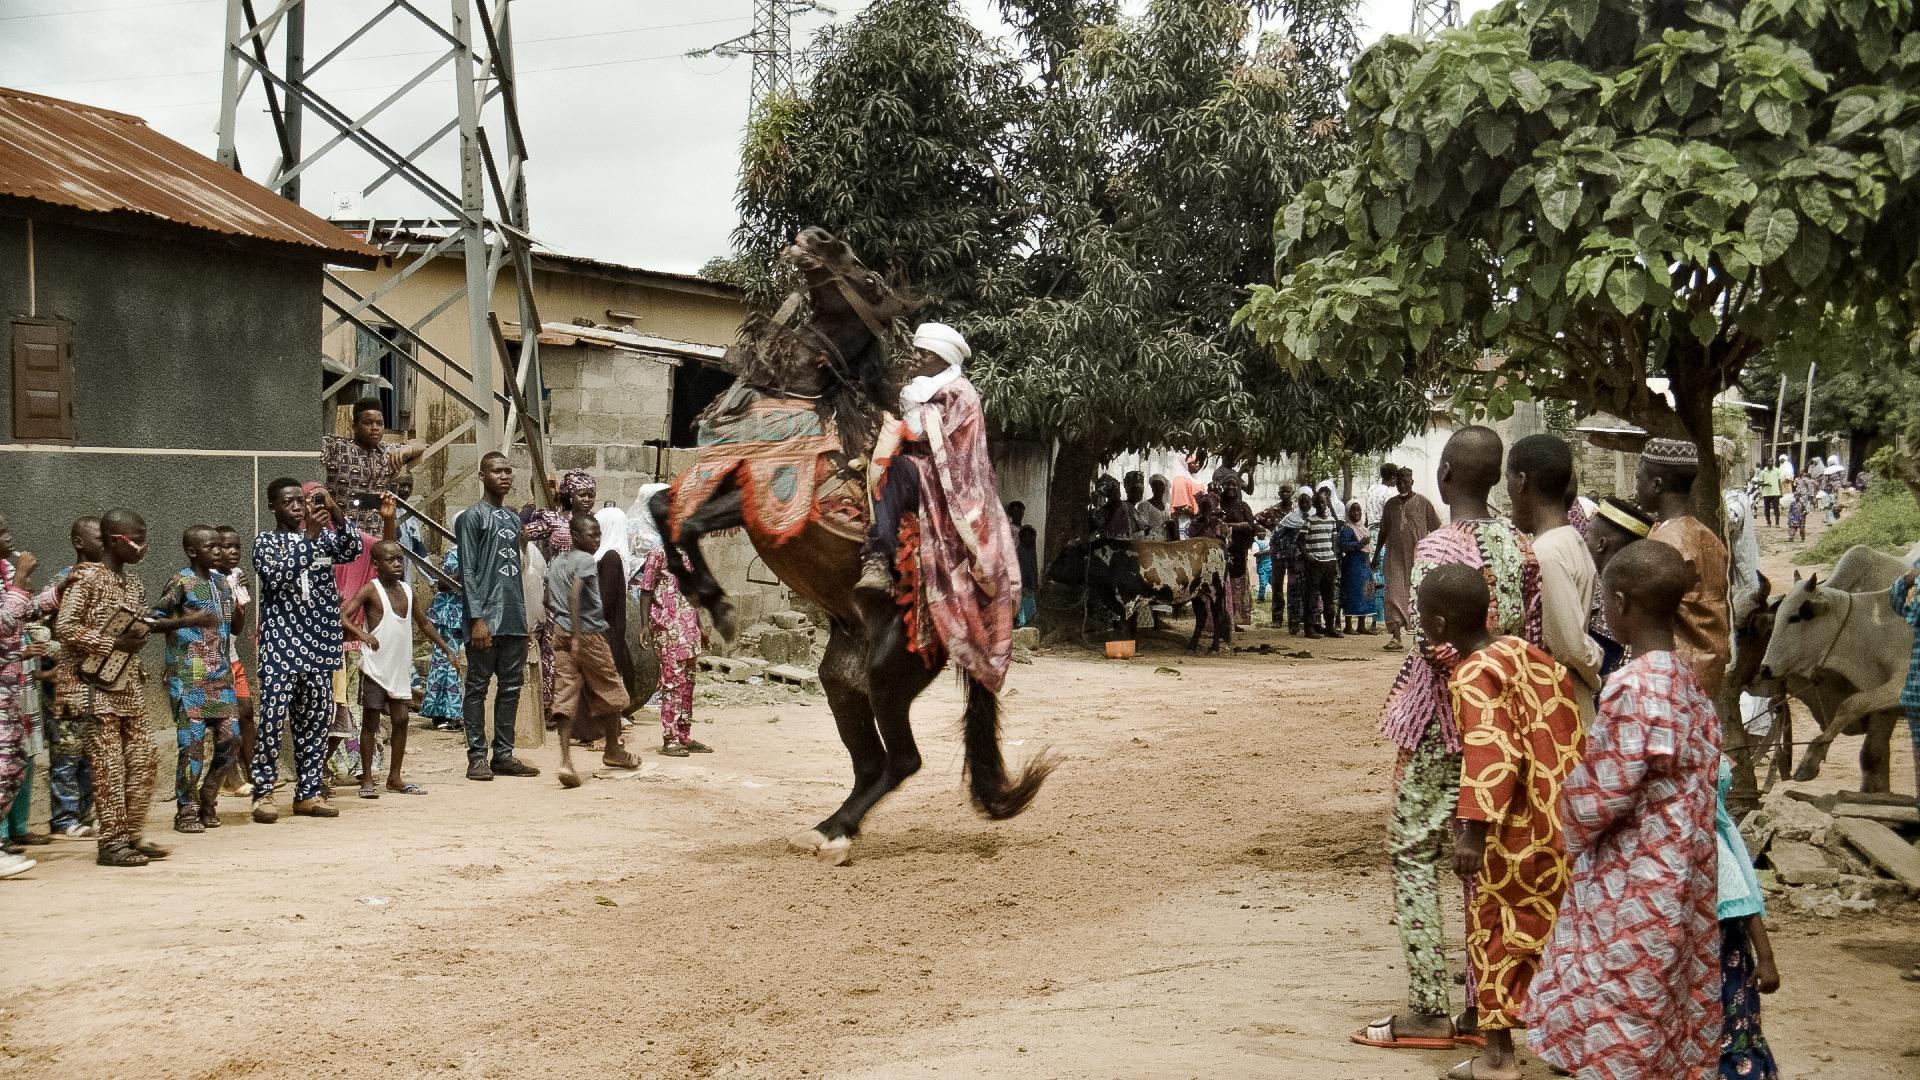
[{"x": 1200, "y": 891}]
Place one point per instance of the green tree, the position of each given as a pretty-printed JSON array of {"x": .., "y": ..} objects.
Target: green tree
[
  {"x": 895, "y": 145},
  {"x": 1567, "y": 197}
]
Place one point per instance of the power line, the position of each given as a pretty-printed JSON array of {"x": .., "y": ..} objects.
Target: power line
[
  {"x": 98, "y": 10},
  {"x": 388, "y": 56},
  {"x": 442, "y": 82}
]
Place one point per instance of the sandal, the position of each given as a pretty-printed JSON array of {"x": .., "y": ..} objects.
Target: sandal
[
  {"x": 188, "y": 821},
  {"x": 672, "y": 749},
  {"x": 407, "y": 789},
  {"x": 120, "y": 855},
  {"x": 1380, "y": 1033},
  {"x": 1392, "y": 646},
  {"x": 695, "y": 746},
  {"x": 150, "y": 849},
  {"x": 368, "y": 791},
  {"x": 619, "y": 759}
]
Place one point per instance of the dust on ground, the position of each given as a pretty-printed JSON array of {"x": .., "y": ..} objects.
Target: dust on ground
[{"x": 1200, "y": 891}]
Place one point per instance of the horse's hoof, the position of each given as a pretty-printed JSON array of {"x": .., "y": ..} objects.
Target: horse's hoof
[
  {"x": 835, "y": 852},
  {"x": 1808, "y": 769},
  {"x": 723, "y": 620},
  {"x": 807, "y": 843}
]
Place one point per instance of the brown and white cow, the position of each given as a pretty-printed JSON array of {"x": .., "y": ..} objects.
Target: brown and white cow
[{"x": 1123, "y": 576}]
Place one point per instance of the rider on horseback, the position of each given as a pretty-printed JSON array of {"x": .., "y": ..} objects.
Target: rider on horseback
[{"x": 936, "y": 466}]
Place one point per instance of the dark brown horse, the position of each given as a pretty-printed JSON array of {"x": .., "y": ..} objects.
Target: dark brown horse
[{"x": 842, "y": 361}]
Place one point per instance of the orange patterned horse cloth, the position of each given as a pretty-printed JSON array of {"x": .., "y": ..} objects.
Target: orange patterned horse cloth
[{"x": 780, "y": 453}]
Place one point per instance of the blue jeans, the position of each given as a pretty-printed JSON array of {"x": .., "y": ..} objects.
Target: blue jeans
[{"x": 506, "y": 659}]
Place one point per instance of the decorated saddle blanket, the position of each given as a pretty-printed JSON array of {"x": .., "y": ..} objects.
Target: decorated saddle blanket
[{"x": 785, "y": 458}]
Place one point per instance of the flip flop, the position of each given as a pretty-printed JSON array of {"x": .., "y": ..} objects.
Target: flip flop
[
  {"x": 408, "y": 789},
  {"x": 369, "y": 793},
  {"x": 1380, "y": 1034}
]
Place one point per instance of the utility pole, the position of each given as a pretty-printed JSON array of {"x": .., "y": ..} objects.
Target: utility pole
[
  {"x": 1806, "y": 417},
  {"x": 1432, "y": 16},
  {"x": 770, "y": 43},
  {"x": 1779, "y": 407}
]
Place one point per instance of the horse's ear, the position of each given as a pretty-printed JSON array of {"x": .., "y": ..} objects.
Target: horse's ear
[{"x": 1766, "y": 588}]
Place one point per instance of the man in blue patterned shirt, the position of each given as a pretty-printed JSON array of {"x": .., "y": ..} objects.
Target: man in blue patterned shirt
[
  {"x": 491, "y": 542},
  {"x": 299, "y": 639}
]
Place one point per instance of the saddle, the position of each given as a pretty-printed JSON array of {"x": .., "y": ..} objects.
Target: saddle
[{"x": 785, "y": 456}]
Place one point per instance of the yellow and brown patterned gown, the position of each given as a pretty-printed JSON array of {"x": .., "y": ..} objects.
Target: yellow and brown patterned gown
[{"x": 1521, "y": 732}]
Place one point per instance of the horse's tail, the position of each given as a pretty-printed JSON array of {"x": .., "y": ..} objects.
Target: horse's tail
[{"x": 993, "y": 795}]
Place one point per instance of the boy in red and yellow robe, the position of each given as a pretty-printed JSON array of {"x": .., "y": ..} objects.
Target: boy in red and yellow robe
[{"x": 1520, "y": 730}]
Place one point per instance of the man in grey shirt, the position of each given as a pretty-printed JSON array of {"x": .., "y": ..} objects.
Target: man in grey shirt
[{"x": 491, "y": 543}]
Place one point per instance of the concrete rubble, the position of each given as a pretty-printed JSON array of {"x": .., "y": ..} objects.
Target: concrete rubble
[{"x": 1833, "y": 854}]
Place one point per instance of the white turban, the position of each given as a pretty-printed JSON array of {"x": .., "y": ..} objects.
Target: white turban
[
  {"x": 942, "y": 341},
  {"x": 946, "y": 343}
]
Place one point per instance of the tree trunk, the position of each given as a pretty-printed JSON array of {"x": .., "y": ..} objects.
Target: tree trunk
[
  {"x": 1695, "y": 405},
  {"x": 1062, "y": 607}
]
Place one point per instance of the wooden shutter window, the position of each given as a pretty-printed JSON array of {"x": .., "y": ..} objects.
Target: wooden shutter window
[{"x": 42, "y": 381}]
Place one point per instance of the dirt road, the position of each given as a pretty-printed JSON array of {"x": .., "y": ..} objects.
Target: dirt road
[{"x": 1199, "y": 892}]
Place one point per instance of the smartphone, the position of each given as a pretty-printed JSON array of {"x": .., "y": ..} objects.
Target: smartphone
[{"x": 363, "y": 500}]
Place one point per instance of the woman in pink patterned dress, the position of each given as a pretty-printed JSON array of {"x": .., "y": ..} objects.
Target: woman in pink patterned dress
[
  {"x": 673, "y": 629},
  {"x": 1629, "y": 987}
]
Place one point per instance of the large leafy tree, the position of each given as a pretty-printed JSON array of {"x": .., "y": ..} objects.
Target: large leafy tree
[
  {"x": 895, "y": 144},
  {"x": 1567, "y": 197},
  {"x": 1087, "y": 200}
]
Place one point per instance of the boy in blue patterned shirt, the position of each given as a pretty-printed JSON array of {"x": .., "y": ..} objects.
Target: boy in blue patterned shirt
[{"x": 199, "y": 601}]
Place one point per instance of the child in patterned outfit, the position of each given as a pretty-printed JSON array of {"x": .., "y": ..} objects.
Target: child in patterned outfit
[
  {"x": 235, "y": 782},
  {"x": 96, "y": 596},
  {"x": 1520, "y": 734},
  {"x": 198, "y": 604}
]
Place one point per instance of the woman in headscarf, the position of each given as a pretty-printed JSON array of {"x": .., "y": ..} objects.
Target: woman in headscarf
[
  {"x": 673, "y": 629},
  {"x": 549, "y": 530},
  {"x": 1832, "y": 483}
]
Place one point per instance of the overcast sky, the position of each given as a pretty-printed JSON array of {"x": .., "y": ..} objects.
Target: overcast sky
[{"x": 634, "y": 146}]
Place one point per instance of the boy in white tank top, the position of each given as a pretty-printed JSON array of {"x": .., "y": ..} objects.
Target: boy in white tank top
[{"x": 386, "y": 662}]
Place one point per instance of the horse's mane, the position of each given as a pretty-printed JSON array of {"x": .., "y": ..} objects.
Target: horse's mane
[{"x": 860, "y": 378}]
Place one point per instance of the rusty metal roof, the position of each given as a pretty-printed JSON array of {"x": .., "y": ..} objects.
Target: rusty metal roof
[{"x": 65, "y": 154}]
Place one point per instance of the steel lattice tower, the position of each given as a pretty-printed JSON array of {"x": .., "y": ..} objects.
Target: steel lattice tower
[
  {"x": 770, "y": 43},
  {"x": 478, "y": 198},
  {"x": 1432, "y": 16}
]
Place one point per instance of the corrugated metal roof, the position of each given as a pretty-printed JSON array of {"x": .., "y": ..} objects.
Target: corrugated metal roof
[{"x": 66, "y": 154}]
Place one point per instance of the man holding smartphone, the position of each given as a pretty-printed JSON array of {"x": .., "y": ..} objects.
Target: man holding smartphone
[{"x": 361, "y": 469}]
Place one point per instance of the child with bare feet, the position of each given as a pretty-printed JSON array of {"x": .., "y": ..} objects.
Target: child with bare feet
[
  {"x": 386, "y": 662},
  {"x": 584, "y": 675},
  {"x": 1521, "y": 736},
  {"x": 235, "y": 780}
]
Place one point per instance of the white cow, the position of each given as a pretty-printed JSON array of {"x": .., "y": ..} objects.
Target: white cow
[{"x": 1845, "y": 643}]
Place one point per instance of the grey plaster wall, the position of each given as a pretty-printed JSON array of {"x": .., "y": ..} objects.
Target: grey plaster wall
[{"x": 178, "y": 346}]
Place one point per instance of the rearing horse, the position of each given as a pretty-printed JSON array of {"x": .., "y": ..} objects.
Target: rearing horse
[{"x": 783, "y": 457}]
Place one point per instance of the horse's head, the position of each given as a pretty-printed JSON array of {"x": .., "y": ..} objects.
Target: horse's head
[{"x": 854, "y": 308}]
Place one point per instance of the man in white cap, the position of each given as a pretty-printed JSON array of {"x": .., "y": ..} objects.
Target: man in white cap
[{"x": 937, "y": 468}]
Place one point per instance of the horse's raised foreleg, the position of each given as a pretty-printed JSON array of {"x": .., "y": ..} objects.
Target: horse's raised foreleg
[{"x": 684, "y": 559}]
